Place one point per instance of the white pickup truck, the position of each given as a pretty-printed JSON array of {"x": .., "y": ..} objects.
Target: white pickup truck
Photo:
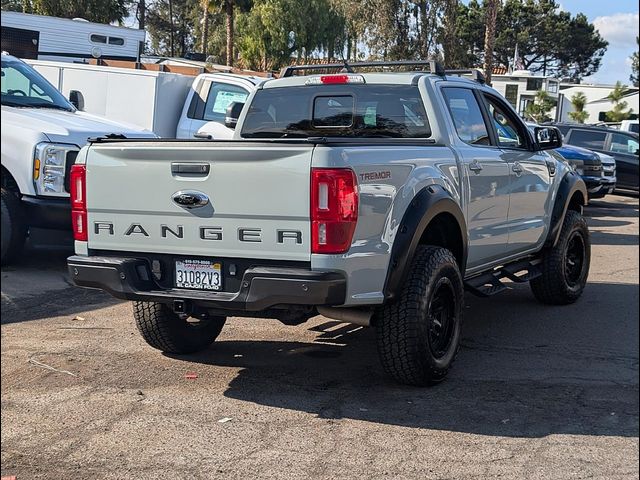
[
  {"x": 42, "y": 133},
  {"x": 204, "y": 111}
]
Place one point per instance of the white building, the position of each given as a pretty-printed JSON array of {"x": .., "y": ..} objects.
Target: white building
[
  {"x": 521, "y": 86},
  {"x": 597, "y": 102}
]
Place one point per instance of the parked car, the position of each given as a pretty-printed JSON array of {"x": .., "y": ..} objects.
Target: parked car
[
  {"x": 625, "y": 125},
  {"x": 588, "y": 165},
  {"x": 609, "y": 173},
  {"x": 42, "y": 133},
  {"x": 585, "y": 163},
  {"x": 373, "y": 198},
  {"x": 623, "y": 146}
]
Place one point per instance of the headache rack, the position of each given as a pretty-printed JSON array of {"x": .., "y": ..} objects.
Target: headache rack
[{"x": 417, "y": 66}]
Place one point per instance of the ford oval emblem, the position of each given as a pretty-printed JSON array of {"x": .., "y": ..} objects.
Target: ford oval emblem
[{"x": 190, "y": 199}]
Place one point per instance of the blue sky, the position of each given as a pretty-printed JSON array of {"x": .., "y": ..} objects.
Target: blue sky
[{"x": 617, "y": 22}]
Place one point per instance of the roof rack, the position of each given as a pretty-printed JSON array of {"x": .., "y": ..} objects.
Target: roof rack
[
  {"x": 476, "y": 74},
  {"x": 346, "y": 67}
]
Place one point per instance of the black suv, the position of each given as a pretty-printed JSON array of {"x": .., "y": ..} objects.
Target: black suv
[{"x": 623, "y": 146}]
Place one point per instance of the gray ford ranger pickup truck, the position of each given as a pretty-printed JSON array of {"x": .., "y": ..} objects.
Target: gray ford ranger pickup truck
[{"x": 374, "y": 198}]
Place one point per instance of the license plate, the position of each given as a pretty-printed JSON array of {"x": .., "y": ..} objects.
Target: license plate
[{"x": 199, "y": 274}]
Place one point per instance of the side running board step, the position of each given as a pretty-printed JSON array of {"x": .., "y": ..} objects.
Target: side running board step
[{"x": 488, "y": 284}]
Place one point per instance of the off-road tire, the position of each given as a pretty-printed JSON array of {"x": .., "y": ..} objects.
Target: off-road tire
[
  {"x": 558, "y": 285},
  {"x": 169, "y": 332},
  {"x": 14, "y": 229},
  {"x": 405, "y": 328}
]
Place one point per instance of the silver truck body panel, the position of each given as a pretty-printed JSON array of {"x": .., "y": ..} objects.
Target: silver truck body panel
[{"x": 263, "y": 185}]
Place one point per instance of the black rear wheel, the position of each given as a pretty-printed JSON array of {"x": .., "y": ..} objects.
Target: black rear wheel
[
  {"x": 419, "y": 334},
  {"x": 170, "y": 332}
]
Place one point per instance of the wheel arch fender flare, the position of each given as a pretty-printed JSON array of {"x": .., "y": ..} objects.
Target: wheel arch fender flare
[
  {"x": 427, "y": 204},
  {"x": 572, "y": 194}
]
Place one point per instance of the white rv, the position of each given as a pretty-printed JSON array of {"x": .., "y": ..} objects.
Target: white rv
[{"x": 39, "y": 37}]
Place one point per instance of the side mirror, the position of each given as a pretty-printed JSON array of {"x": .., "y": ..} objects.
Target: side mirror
[
  {"x": 76, "y": 99},
  {"x": 233, "y": 113},
  {"x": 547, "y": 138}
]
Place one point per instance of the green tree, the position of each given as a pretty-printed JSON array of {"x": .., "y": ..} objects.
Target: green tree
[
  {"x": 635, "y": 66},
  {"x": 274, "y": 31},
  {"x": 619, "y": 111},
  {"x": 100, "y": 11},
  {"x": 170, "y": 24},
  {"x": 550, "y": 41},
  {"x": 579, "y": 100},
  {"x": 539, "y": 109},
  {"x": 355, "y": 19}
]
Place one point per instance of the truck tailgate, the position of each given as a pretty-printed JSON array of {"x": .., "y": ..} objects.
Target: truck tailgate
[{"x": 258, "y": 198}]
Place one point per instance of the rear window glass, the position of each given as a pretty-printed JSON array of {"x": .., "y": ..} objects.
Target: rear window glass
[
  {"x": 591, "y": 139},
  {"x": 375, "y": 111}
]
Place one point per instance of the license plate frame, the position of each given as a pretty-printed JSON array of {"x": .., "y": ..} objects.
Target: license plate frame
[{"x": 198, "y": 274}]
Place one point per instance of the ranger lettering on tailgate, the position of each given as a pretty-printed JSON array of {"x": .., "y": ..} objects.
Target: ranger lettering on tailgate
[{"x": 205, "y": 233}]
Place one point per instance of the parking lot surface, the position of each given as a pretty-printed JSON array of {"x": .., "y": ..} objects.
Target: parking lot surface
[{"x": 536, "y": 392}]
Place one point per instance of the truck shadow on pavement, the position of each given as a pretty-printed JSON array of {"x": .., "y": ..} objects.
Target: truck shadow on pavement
[
  {"x": 612, "y": 206},
  {"x": 604, "y": 216},
  {"x": 524, "y": 370}
]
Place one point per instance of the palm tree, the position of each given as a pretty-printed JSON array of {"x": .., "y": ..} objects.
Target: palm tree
[
  {"x": 205, "y": 25},
  {"x": 491, "y": 9},
  {"x": 579, "y": 100},
  {"x": 619, "y": 111},
  {"x": 228, "y": 9},
  {"x": 171, "y": 47}
]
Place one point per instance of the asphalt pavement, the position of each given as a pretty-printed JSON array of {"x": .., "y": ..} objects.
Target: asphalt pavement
[{"x": 536, "y": 392}]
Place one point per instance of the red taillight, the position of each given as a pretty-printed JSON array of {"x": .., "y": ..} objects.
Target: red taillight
[
  {"x": 79, "y": 220},
  {"x": 79, "y": 202},
  {"x": 334, "y": 209}
]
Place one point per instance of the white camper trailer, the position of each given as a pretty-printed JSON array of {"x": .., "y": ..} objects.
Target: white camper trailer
[{"x": 39, "y": 37}]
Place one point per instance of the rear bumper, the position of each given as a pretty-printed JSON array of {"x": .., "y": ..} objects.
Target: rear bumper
[
  {"x": 261, "y": 287},
  {"x": 44, "y": 212}
]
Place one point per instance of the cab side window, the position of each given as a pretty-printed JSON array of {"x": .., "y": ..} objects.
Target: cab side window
[
  {"x": 211, "y": 99},
  {"x": 220, "y": 97},
  {"x": 509, "y": 131},
  {"x": 623, "y": 144},
  {"x": 466, "y": 115},
  {"x": 587, "y": 139}
]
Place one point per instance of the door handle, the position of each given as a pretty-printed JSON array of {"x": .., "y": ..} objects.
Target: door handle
[
  {"x": 475, "y": 166},
  {"x": 517, "y": 169},
  {"x": 182, "y": 168}
]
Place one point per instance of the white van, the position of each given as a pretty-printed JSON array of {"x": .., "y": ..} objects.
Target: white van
[{"x": 169, "y": 104}]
